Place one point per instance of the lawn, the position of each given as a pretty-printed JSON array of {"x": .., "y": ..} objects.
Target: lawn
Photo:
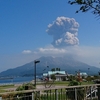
[{"x": 5, "y": 88}]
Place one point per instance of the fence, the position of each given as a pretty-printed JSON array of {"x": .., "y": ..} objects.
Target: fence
[{"x": 83, "y": 92}]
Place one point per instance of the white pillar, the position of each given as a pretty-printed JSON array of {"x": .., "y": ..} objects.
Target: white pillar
[
  {"x": 56, "y": 94},
  {"x": 32, "y": 96},
  {"x": 95, "y": 93}
]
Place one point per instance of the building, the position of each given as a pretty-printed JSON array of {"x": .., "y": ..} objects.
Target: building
[
  {"x": 60, "y": 75},
  {"x": 83, "y": 74}
]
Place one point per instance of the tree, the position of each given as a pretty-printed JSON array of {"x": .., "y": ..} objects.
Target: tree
[
  {"x": 26, "y": 86},
  {"x": 71, "y": 77},
  {"x": 53, "y": 77},
  {"x": 57, "y": 69},
  {"x": 86, "y": 5},
  {"x": 73, "y": 83},
  {"x": 89, "y": 78},
  {"x": 53, "y": 69}
]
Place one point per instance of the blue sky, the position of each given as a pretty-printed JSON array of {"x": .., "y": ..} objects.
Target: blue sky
[{"x": 23, "y": 35}]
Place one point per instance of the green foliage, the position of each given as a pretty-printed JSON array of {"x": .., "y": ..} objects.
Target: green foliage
[
  {"x": 71, "y": 77},
  {"x": 86, "y": 5},
  {"x": 53, "y": 77},
  {"x": 20, "y": 88},
  {"x": 53, "y": 69},
  {"x": 89, "y": 78},
  {"x": 96, "y": 77},
  {"x": 71, "y": 91},
  {"x": 63, "y": 78},
  {"x": 73, "y": 83},
  {"x": 57, "y": 69},
  {"x": 25, "y": 87},
  {"x": 5, "y": 88}
]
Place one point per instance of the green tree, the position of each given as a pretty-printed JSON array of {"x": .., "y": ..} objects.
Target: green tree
[
  {"x": 53, "y": 69},
  {"x": 26, "y": 86},
  {"x": 73, "y": 83},
  {"x": 57, "y": 69},
  {"x": 71, "y": 77},
  {"x": 96, "y": 77},
  {"x": 89, "y": 78},
  {"x": 53, "y": 77},
  {"x": 86, "y": 5}
]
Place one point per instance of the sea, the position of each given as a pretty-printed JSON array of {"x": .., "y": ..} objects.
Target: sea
[{"x": 16, "y": 80}]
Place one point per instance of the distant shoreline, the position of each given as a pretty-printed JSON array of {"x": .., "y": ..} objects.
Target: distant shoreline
[{"x": 16, "y": 80}]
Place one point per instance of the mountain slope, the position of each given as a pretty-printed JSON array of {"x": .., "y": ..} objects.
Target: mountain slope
[{"x": 64, "y": 63}]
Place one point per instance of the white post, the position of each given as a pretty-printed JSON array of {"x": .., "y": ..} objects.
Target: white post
[
  {"x": 95, "y": 93},
  {"x": 32, "y": 96},
  {"x": 56, "y": 91},
  {"x": 0, "y": 98}
]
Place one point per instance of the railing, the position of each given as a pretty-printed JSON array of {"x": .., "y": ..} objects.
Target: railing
[{"x": 82, "y": 92}]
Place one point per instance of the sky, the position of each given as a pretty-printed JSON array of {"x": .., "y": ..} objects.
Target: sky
[{"x": 30, "y": 29}]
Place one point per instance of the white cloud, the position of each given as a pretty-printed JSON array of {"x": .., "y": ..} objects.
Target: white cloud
[
  {"x": 64, "y": 31},
  {"x": 70, "y": 39},
  {"x": 52, "y": 50},
  {"x": 89, "y": 55},
  {"x": 65, "y": 43},
  {"x": 26, "y": 51},
  {"x": 86, "y": 54}
]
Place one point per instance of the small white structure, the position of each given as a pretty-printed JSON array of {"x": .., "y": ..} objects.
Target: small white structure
[
  {"x": 83, "y": 74},
  {"x": 60, "y": 75}
]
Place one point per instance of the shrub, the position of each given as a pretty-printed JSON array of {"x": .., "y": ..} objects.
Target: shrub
[
  {"x": 73, "y": 82},
  {"x": 25, "y": 87}
]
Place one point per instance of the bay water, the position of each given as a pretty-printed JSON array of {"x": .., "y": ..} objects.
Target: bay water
[{"x": 16, "y": 80}]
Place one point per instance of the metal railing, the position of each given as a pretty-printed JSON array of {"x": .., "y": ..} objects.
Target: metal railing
[{"x": 82, "y": 92}]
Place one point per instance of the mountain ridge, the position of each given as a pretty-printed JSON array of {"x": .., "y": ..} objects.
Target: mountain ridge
[{"x": 69, "y": 65}]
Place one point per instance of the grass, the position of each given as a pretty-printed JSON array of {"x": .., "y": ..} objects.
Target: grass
[
  {"x": 87, "y": 83},
  {"x": 65, "y": 83},
  {"x": 4, "y": 88},
  {"x": 1, "y": 90},
  {"x": 62, "y": 83},
  {"x": 51, "y": 95}
]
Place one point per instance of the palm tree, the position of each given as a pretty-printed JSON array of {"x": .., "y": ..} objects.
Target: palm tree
[
  {"x": 53, "y": 69},
  {"x": 57, "y": 69}
]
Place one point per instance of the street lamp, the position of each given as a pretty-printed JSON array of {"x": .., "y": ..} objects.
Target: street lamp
[
  {"x": 35, "y": 62},
  {"x": 88, "y": 71}
]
